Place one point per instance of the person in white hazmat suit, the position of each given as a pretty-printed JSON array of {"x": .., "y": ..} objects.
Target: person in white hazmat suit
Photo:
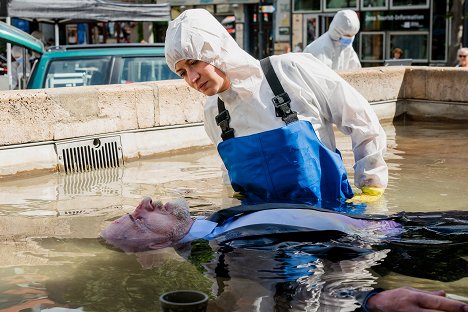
[
  {"x": 276, "y": 151},
  {"x": 19, "y": 67},
  {"x": 334, "y": 48}
]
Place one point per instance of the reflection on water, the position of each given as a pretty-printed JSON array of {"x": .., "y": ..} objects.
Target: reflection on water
[
  {"x": 103, "y": 182},
  {"x": 50, "y": 257},
  {"x": 433, "y": 171}
]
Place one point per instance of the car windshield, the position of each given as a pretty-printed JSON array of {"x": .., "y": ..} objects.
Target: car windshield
[
  {"x": 78, "y": 72},
  {"x": 139, "y": 69},
  {"x": 73, "y": 72}
]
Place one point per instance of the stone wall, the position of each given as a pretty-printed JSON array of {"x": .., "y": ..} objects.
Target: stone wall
[
  {"x": 161, "y": 116},
  {"x": 55, "y": 114}
]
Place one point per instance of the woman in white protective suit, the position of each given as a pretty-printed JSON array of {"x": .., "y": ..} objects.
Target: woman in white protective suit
[
  {"x": 275, "y": 149},
  {"x": 334, "y": 48}
]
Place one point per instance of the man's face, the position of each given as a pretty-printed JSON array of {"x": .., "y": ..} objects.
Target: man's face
[
  {"x": 202, "y": 76},
  {"x": 151, "y": 226}
]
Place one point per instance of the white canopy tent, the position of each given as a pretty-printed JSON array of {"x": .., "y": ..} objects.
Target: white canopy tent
[
  {"x": 101, "y": 10},
  {"x": 71, "y": 11}
]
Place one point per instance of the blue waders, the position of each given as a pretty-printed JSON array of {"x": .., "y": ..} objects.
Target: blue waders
[{"x": 285, "y": 164}]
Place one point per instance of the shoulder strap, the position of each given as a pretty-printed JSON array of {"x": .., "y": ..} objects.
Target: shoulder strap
[
  {"x": 281, "y": 100},
  {"x": 222, "y": 120}
]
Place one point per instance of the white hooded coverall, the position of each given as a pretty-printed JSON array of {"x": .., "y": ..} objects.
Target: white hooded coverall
[
  {"x": 328, "y": 49},
  {"x": 317, "y": 93}
]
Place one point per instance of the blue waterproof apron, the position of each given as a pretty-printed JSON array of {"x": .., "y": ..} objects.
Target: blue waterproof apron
[{"x": 285, "y": 164}]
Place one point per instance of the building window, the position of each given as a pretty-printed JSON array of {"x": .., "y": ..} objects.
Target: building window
[
  {"x": 334, "y": 5},
  {"x": 369, "y": 5},
  {"x": 439, "y": 31},
  {"x": 413, "y": 44},
  {"x": 411, "y": 4},
  {"x": 310, "y": 28},
  {"x": 307, "y": 5},
  {"x": 372, "y": 46}
]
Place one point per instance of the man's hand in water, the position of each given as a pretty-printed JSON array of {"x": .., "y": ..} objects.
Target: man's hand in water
[{"x": 413, "y": 300}]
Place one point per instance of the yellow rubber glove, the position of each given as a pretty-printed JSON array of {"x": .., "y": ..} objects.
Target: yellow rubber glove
[
  {"x": 369, "y": 194},
  {"x": 238, "y": 195}
]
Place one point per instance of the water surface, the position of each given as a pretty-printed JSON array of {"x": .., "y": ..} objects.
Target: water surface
[{"x": 50, "y": 255}]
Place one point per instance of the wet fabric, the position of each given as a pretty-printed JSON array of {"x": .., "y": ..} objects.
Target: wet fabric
[
  {"x": 321, "y": 271},
  {"x": 280, "y": 221},
  {"x": 446, "y": 233},
  {"x": 224, "y": 214},
  {"x": 328, "y": 47},
  {"x": 259, "y": 221}
]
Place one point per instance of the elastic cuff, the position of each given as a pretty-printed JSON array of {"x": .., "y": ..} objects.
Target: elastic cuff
[{"x": 368, "y": 296}]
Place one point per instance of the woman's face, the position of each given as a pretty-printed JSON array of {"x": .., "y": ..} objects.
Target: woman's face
[{"x": 202, "y": 76}]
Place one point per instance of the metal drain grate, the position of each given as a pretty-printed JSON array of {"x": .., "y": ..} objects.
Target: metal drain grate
[{"x": 91, "y": 154}]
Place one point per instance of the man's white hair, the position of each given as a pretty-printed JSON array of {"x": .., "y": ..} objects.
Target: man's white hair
[{"x": 182, "y": 213}]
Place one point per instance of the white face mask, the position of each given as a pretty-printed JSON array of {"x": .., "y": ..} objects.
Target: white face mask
[{"x": 346, "y": 41}]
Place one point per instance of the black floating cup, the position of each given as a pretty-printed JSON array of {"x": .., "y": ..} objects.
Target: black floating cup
[{"x": 184, "y": 301}]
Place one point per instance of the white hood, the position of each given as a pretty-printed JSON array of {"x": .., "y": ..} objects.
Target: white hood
[
  {"x": 196, "y": 34},
  {"x": 328, "y": 49},
  {"x": 345, "y": 22}
]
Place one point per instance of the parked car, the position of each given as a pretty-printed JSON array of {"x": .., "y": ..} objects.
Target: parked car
[{"x": 93, "y": 64}]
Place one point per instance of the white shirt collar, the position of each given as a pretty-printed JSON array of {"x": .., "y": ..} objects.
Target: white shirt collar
[{"x": 201, "y": 228}]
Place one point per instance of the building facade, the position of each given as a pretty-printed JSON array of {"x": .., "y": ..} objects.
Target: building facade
[
  {"x": 250, "y": 22},
  {"x": 418, "y": 27}
]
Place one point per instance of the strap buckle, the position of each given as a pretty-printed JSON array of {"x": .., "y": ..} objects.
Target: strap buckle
[
  {"x": 281, "y": 98},
  {"x": 228, "y": 134},
  {"x": 282, "y": 107},
  {"x": 222, "y": 120}
]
